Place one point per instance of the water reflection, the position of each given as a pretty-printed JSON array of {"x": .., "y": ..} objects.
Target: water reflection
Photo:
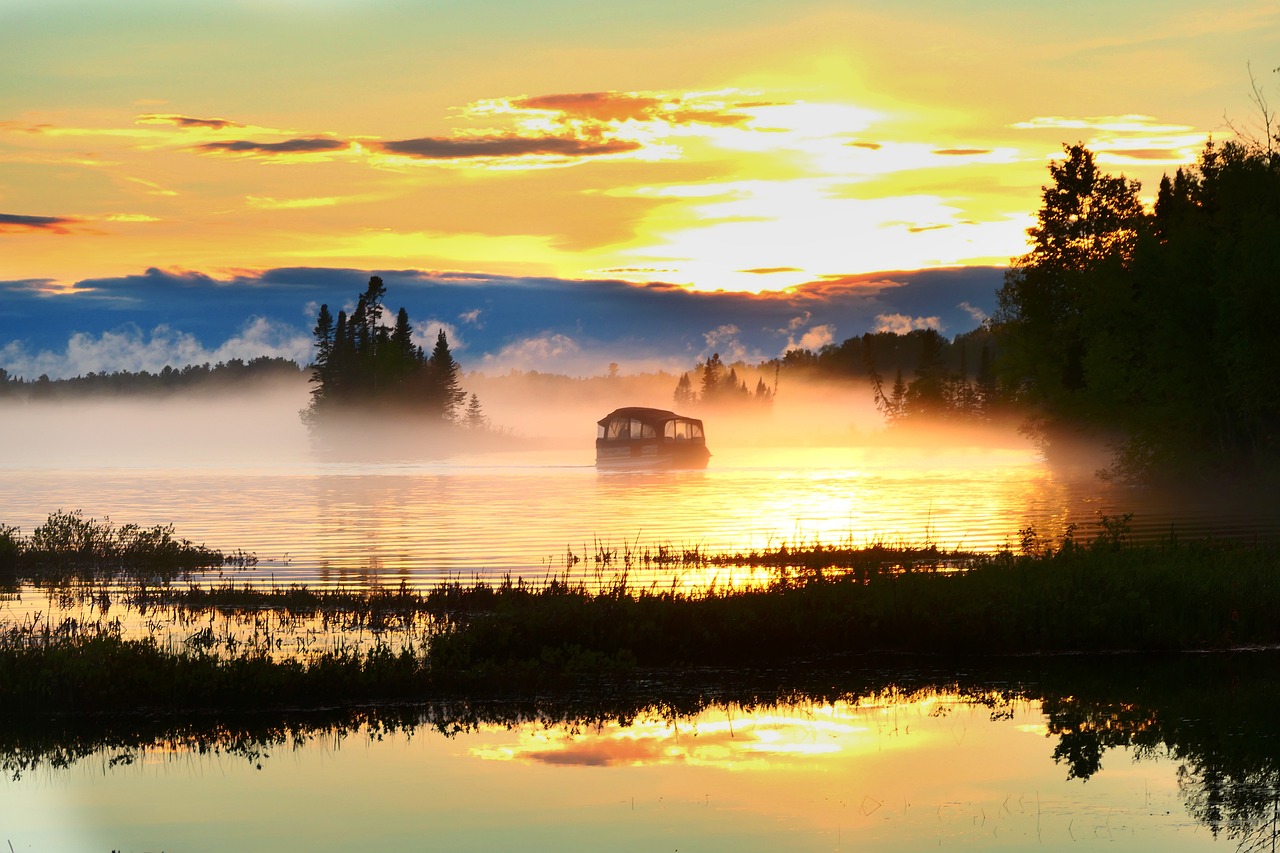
[
  {"x": 347, "y": 524},
  {"x": 1156, "y": 753}
]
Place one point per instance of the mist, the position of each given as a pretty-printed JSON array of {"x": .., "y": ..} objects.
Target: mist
[
  {"x": 248, "y": 424},
  {"x": 258, "y": 423}
]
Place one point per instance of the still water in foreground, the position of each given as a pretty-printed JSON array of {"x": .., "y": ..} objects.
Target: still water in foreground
[{"x": 1121, "y": 753}]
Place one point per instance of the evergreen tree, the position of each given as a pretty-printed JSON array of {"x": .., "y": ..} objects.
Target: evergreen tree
[
  {"x": 475, "y": 418},
  {"x": 363, "y": 364},
  {"x": 324, "y": 335},
  {"x": 684, "y": 395},
  {"x": 445, "y": 390},
  {"x": 712, "y": 378}
]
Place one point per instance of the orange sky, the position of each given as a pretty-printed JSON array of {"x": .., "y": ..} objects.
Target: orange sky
[{"x": 753, "y": 146}]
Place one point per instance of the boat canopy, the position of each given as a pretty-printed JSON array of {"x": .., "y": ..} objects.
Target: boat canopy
[{"x": 636, "y": 422}]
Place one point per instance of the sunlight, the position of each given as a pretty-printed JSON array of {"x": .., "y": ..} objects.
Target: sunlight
[{"x": 741, "y": 740}]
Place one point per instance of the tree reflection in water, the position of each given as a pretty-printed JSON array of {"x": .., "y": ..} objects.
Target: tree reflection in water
[{"x": 1215, "y": 716}]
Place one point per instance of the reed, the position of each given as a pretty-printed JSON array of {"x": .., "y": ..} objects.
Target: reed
[
  {"x": 237, "y": 646},
  {"x": 69, "y": 548}
]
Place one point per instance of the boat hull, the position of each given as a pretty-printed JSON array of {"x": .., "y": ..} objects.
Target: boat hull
[{"x": 651, "y": 453}]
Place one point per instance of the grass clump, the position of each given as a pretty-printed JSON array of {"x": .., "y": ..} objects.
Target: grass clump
[{"x": 68, "y": 548}]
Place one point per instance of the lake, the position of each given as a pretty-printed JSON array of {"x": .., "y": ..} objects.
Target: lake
[
  {"x": 330, "y": 524},
  {"x": 943, "y": 764},
  {"x": 1146, "y": 755}
]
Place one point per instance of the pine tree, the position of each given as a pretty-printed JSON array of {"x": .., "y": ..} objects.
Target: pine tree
[
  {"x": 684, "y": 391},
  {"x": 475, "y": 418},
  {"x": 324, "y": 350},
  {"x": 443, "y": 386},
  {"x": 712, "y": 378}
]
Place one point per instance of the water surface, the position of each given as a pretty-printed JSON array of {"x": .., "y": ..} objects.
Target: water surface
[{"x": 326, "y": 523}]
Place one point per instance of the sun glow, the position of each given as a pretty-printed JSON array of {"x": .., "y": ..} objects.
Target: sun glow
[
  {"x": 736, "y": 739},
  {"x": 820, "y": 142}
]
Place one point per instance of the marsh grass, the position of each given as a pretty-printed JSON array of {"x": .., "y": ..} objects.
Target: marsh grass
[
  {"x": 236, "y": 645},
  {"x": 69, "y": 548}
]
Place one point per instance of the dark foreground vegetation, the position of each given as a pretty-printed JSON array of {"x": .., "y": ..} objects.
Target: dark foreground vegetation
[
  {"x": 507, "y": 638},
  {"x": 71, "y": 548}
]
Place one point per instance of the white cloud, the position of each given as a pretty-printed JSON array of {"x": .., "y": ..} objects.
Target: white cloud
[
  {"x": 426, "y": 332},
  {"x": 979, "y": 316},
  {"x": 725, "y": 340},
  {"x": 128, "y": 348},
  {"x": 553, "y": 353},
  {"x": 813, "y": 339},
  {"x": 900, "y": 324},
  {"x": 796, "y": 323}
]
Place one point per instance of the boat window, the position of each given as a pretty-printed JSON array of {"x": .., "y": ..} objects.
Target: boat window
[
  {"x": 619, "y": 428},
  {"x": 640, "y": 429},
  {"x": 600, "y": 431},
  {"x": 695, "y": 430},
  {"x": 669, "y": 430}
]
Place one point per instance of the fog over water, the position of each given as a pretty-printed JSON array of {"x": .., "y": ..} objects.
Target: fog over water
[{"x": 237, "y": 470}]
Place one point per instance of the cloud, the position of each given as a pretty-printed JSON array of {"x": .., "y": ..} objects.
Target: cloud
[
  {"x": 127, "y": 217},
  {"x": 979, "y": 316},
  {"x": 542, "y": 323},
  {"x": 797, "y": 322},
  {"x": 1172, "y": 155},
  {"x": 815, "y": 338},
  {"x": 601, "y": 106},
  {"x": 869, "y": 146},
  {"x": 466, "y": 148},
  {"x": 771, "y": 270},
  {"x": 305, "y": 145},
  {"x": 962, "y": 152},
  {"x": 549, "y": 353},
  {"x": 900, "y": 324},
  {"x": 632, "y": 106},
  {"x": 14, "y": 223},
  {"x": 425, "y": 333},
  {"x": 129, "y": 348},
  {"x": 1120, "y": 124},
  {"x": 269, "y": 203},
  {"x": 727, "y": 341},
  {"x": 188, "y": 121}
]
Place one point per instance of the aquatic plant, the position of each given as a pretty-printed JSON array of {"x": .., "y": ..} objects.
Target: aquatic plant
[{"x": 69, "y": 547}]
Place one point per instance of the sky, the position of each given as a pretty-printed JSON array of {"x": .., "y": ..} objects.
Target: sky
[{"x": 561, "y": 184}]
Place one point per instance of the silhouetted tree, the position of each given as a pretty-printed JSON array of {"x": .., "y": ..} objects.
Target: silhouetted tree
[
  {"x": 712, "y": 377},
  {"x": 361, "y": 363},
  {"x": 475, "y": 418},
  {"x": 445, "y": 391},
  {"x": 1157, "y": 330},
  {"x": 684, "y": 395}
]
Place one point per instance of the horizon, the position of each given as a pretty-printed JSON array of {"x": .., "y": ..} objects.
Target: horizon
[{"x": 188, "y": 184}]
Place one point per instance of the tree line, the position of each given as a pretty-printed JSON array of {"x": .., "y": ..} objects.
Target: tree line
[
  {"x": 720, "y": 385},
  {"x": 164, "y": 381},
  {"x": 1155, "y": 328},
  {"x": 364, "y": 365}
]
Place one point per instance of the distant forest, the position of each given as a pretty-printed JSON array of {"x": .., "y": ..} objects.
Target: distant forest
[{"x": 225, "y": 374}]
